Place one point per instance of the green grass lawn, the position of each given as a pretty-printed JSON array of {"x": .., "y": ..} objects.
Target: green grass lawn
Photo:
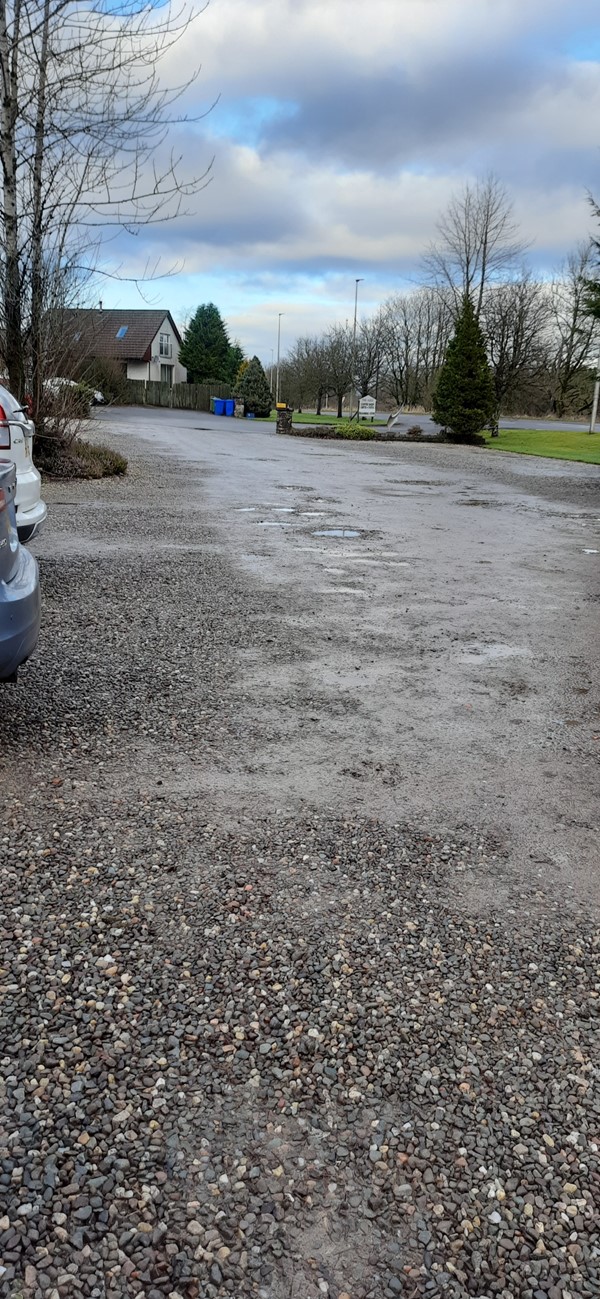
[
  {"x": 329, "y": 418},
  {"x": 558, "y": 446}
]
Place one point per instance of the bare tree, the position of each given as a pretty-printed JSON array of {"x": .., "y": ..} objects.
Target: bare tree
[
  {"x": 307, "y": 372},
  {"x": 295, "y": 379},
  {"x": 319, "y": 371},
  {"x": 338, "y": 353},
  {"x": 593, "y": 283},
  {"x": 478, "y": 243},
  {"x": 575, "y": 330},
  {"x": 368, "y": 356},
  {"x": 84, "y": 121},
  {"x": 515, "y": 318},
  {"x": 416, "y": 330}
]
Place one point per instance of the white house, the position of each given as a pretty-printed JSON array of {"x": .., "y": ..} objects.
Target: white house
[{"x": 145, "y": 343}]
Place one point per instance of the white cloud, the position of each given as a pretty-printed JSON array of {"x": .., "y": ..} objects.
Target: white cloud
[{"x": 389, "y": 106}]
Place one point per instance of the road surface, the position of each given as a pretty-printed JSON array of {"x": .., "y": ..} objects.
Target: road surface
[
  {"x": 299, "y": 876},
  {"x": 443, "y": 610}
]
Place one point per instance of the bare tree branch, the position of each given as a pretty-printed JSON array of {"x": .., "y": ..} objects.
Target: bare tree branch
[
  {"x": 478, "y": 243},
  {"x": 85, "y": 121}
]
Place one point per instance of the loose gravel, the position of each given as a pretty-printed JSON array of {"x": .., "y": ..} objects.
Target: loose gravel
[{"x": 265, "y": 1053}]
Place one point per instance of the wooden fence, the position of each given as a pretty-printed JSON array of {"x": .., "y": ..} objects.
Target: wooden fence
[{"x": 182, "y": 396}]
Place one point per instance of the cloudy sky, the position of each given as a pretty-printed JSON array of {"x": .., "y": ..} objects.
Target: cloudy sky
[{"x": 342, "y": 127}]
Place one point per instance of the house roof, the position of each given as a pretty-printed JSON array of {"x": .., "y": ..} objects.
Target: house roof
[{"x": 95, "y": 332}]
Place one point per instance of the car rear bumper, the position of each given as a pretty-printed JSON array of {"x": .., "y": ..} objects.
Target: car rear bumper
[
  {"x": 30, "y": 519},
  {"x": 19, "y": 615}
]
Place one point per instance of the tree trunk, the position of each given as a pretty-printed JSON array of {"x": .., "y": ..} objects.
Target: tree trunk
[
  {"x": 13, "y": 333},
  {"x": 340, "y": 404},
  {"x": 37, "y": 286}
]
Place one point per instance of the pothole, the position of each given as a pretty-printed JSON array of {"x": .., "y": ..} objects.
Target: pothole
[
  {"x": 378, "y": 559},
  {"x": 493, "y": 653},
  {"x": 336, "y": 532},
  {"x": 483, "y": 505},
  {"x": 418, "y": 482}
]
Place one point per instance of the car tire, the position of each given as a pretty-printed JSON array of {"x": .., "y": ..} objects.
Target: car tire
[{"x": 25, "y": 534}]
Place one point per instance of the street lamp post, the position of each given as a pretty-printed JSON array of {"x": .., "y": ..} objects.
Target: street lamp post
[
  {"x": 272, "y": 368},
  {"x": 281, "y": 313},
  {"x": 352, "y": 388}
]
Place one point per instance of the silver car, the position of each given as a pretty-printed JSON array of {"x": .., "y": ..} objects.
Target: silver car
[
  {"x": 19, "y": 584},
  {"x": 16, "y": 442}
]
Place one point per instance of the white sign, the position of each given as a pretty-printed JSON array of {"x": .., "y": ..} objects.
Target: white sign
[{"x": 367, "y": 406}]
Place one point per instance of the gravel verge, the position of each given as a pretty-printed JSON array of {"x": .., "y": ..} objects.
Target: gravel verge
[{"x": 259, "y": 1055}]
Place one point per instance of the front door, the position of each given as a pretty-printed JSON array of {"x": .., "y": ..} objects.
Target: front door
[{"x": 166, "y": 374}]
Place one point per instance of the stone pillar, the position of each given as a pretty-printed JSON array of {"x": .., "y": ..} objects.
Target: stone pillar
[{"x": 284, "y": 418}]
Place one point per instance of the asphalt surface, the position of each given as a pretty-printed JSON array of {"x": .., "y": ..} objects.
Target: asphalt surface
[{"x": 298, "y": 877}]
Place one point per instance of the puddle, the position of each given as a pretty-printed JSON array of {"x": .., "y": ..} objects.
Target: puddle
[
  {"x": 336, "y": 532},
  {"x": 282, "y": 509},
  {"x": 366, "y": 559},
  {"x": 312, "y": 514},
  {"x": 493, "y": 653},
  {"x": 590, "y": 552},
  {"x": 343, "y": 590},
  {"x": 273, "y": 523},
  {"x": 484, "y": 505},
  {"x": 418, "y": 482},
  {"x": 246, "y": 509}
]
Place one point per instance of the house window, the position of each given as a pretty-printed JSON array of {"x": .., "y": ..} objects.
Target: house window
[
  {"x": 165, "y": 348},
  {"x": 122, "y": 330},
  {"x": 166, "y": 374}
]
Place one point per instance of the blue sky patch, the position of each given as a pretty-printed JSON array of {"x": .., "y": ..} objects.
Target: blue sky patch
[{"x": 244, "y": 120}]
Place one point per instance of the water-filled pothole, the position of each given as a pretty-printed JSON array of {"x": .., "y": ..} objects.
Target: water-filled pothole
[
  {"x": 482, "y": 505},
  {"x": 336, "y": 532}
]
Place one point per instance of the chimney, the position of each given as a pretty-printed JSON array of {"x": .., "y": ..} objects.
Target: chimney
[{"x": 100, "y": 305}]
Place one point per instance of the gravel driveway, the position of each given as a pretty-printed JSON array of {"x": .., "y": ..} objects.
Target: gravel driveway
[{"x": 300, "y": 973}]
